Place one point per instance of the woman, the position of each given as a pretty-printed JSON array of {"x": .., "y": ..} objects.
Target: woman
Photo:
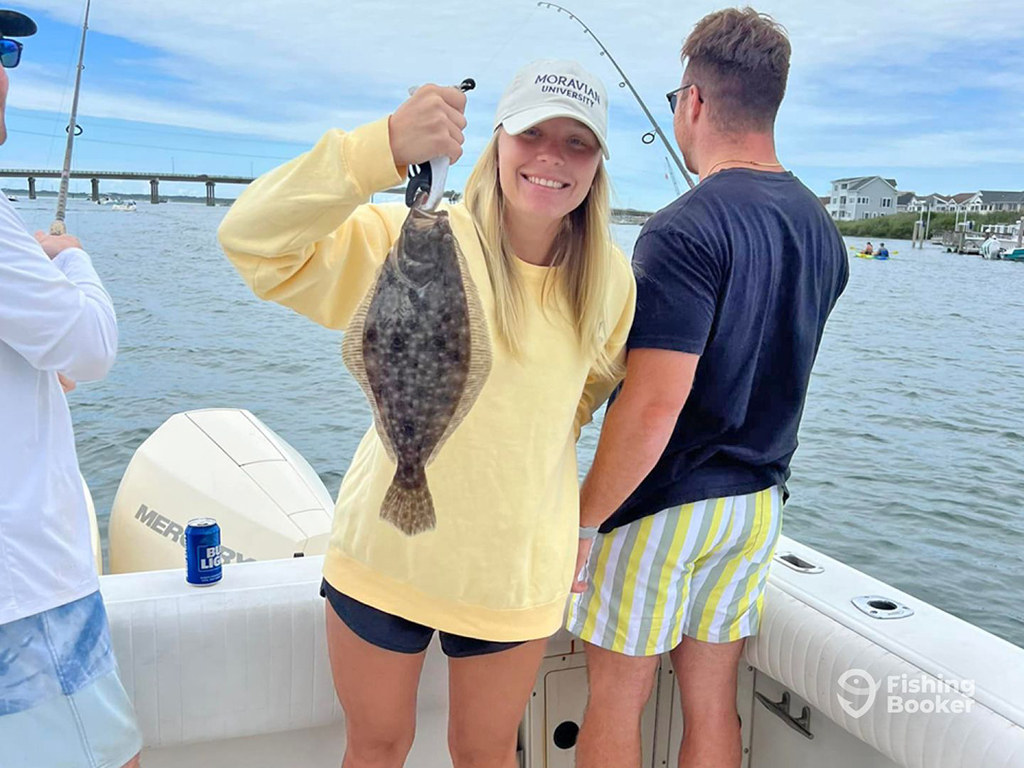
[{"x": 494, "y": 574}]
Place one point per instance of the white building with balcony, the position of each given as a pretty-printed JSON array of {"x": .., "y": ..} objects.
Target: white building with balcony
[{"x": 862, "y": 197}]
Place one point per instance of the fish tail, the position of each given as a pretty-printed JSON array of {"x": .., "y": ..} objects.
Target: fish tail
[{"x": 409, "y": 508}]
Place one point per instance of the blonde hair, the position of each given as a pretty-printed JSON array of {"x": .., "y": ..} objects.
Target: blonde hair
[{"x": 583, "y": 251}]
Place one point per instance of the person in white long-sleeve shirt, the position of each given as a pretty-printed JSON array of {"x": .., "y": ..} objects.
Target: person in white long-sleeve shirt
[{"x": 61, "y": 702}]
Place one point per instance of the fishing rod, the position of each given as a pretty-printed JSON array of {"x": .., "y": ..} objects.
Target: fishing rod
[
  {"x": 624, "y": 83},
  {"x": 57, "y": 227}
]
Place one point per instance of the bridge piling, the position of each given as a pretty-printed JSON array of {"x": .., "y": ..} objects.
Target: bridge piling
[{"x": 96, "y": 176}]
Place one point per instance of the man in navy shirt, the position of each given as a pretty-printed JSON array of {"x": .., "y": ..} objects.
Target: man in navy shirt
[{"x": 735, "y": 281}]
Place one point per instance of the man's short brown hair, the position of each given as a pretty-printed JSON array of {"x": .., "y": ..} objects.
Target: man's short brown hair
[{"x": 739, "y": 59}]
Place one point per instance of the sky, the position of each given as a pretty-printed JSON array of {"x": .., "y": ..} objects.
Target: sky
[{"x": 926, "y": 91}]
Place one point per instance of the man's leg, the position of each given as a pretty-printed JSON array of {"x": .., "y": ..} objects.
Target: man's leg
[
  {"x": 631, "y": 612},
  {"x": 707, "y": 678},
  {"x": 620, "y": 686},
  {"x": 724, "y": 607}
]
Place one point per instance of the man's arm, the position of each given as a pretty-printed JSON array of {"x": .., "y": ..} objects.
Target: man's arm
[
  {"x": 678, "y": 283},
  {"x": 636, "y": 429},
  {"x": 53, "y": 311}
]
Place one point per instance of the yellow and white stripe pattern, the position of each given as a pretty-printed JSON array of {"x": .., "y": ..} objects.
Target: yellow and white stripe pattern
[{"x": 697, "y": 570}]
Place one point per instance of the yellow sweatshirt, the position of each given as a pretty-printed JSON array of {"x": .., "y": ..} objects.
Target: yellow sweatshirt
[{"x": 498, "y": 566}]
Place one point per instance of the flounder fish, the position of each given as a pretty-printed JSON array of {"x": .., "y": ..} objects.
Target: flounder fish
[{"x": 420, "y": 349}]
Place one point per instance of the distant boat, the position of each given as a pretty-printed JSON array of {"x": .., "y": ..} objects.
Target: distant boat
[
  {"x": 129, "y": 206},
  {"x": 105, "y": 200},
  {"x": 13, "y": 198}
]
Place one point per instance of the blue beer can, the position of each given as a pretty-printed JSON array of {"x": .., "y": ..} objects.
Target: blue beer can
[{"x": 202, "y": 552}]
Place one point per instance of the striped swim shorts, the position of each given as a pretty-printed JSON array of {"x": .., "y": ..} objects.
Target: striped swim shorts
[{"x": 697, "y": 570}]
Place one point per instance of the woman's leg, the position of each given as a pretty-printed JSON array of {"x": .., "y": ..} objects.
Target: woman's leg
[
  {"x": 487, "y": 698},
  {"x": 377, "y": 690}
]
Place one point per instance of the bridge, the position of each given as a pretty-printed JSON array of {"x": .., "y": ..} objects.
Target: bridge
[
  {"x": 619, "y": 215},
  {"x": 154, "y": 180}
]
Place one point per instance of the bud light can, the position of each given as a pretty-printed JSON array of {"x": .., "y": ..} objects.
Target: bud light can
[{"x": 202, "y": 552}]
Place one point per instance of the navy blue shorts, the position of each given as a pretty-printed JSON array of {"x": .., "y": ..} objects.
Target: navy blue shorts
[{"x": 393, "y": 633}]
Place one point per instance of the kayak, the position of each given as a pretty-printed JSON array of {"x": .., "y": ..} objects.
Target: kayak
[{"x": 874, "y": 256}]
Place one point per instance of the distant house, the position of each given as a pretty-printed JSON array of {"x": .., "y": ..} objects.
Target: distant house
[
  {"x": 867, "y": 197},
  {"x": 862, "y": 197},
  {"x": 934, "y": 202},
  {"x": 1000, "y": 201},
  {"x": 825, "y": 200},
  {"x": 967, "y": 201},
  {"x": 903, "y": 200}
]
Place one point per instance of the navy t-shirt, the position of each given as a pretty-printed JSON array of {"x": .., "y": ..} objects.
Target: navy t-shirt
[{"x": 743, "y": 270}]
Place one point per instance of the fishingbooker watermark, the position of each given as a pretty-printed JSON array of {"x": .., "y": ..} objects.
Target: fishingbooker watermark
[{"x": 911, "y": 694}]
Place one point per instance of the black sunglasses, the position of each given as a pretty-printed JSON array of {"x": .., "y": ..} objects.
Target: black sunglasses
[
  {"x": 673, "y": 96},
  {"x": 10, "y": 53}
]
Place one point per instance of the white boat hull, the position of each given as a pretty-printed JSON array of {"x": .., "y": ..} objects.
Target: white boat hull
[{"x": 238, "y": 674}]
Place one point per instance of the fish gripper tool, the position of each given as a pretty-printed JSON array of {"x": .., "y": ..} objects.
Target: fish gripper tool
[{"x": 422, "y": 189}]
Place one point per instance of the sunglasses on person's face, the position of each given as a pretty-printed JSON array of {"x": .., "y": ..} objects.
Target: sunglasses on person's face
[
  {"x": 10, "y": 53},
  {"x": 673, "y": 96}
]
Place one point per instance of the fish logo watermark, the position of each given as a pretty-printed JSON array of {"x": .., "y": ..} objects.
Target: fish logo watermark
[
  {"x": 910, "y": 694},
  {"x": 857, "y": 682}
]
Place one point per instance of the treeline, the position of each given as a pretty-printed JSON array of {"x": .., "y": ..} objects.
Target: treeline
[{"x": 900, "y": 226}]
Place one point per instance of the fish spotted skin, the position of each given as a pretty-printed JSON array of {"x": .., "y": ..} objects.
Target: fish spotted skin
[{"x": 413, "y": 354}]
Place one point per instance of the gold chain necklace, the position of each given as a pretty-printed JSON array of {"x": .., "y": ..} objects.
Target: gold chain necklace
[{"x": 747, "y": 162}]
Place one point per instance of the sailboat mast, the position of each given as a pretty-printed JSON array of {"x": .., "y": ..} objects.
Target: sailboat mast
[{"x": 57, "y": 228}]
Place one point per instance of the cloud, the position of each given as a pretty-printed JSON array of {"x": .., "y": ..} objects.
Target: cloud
[
  {"x": 35, "y": 93},
  {"x": 320, "y": 51},
  {"x": 926, "y": 150},
  {"x": 871, "y": 81}
]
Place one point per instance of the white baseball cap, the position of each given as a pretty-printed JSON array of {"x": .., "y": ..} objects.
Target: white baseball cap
[{"x": 548, "y": 88}]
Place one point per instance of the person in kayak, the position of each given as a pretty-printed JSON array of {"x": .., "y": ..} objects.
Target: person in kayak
[
  {"x": 883, "y": 252},
  {"x": 868, "y": 249}
]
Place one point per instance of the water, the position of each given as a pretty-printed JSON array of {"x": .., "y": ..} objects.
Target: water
[{"x": 912, "y": 446}]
